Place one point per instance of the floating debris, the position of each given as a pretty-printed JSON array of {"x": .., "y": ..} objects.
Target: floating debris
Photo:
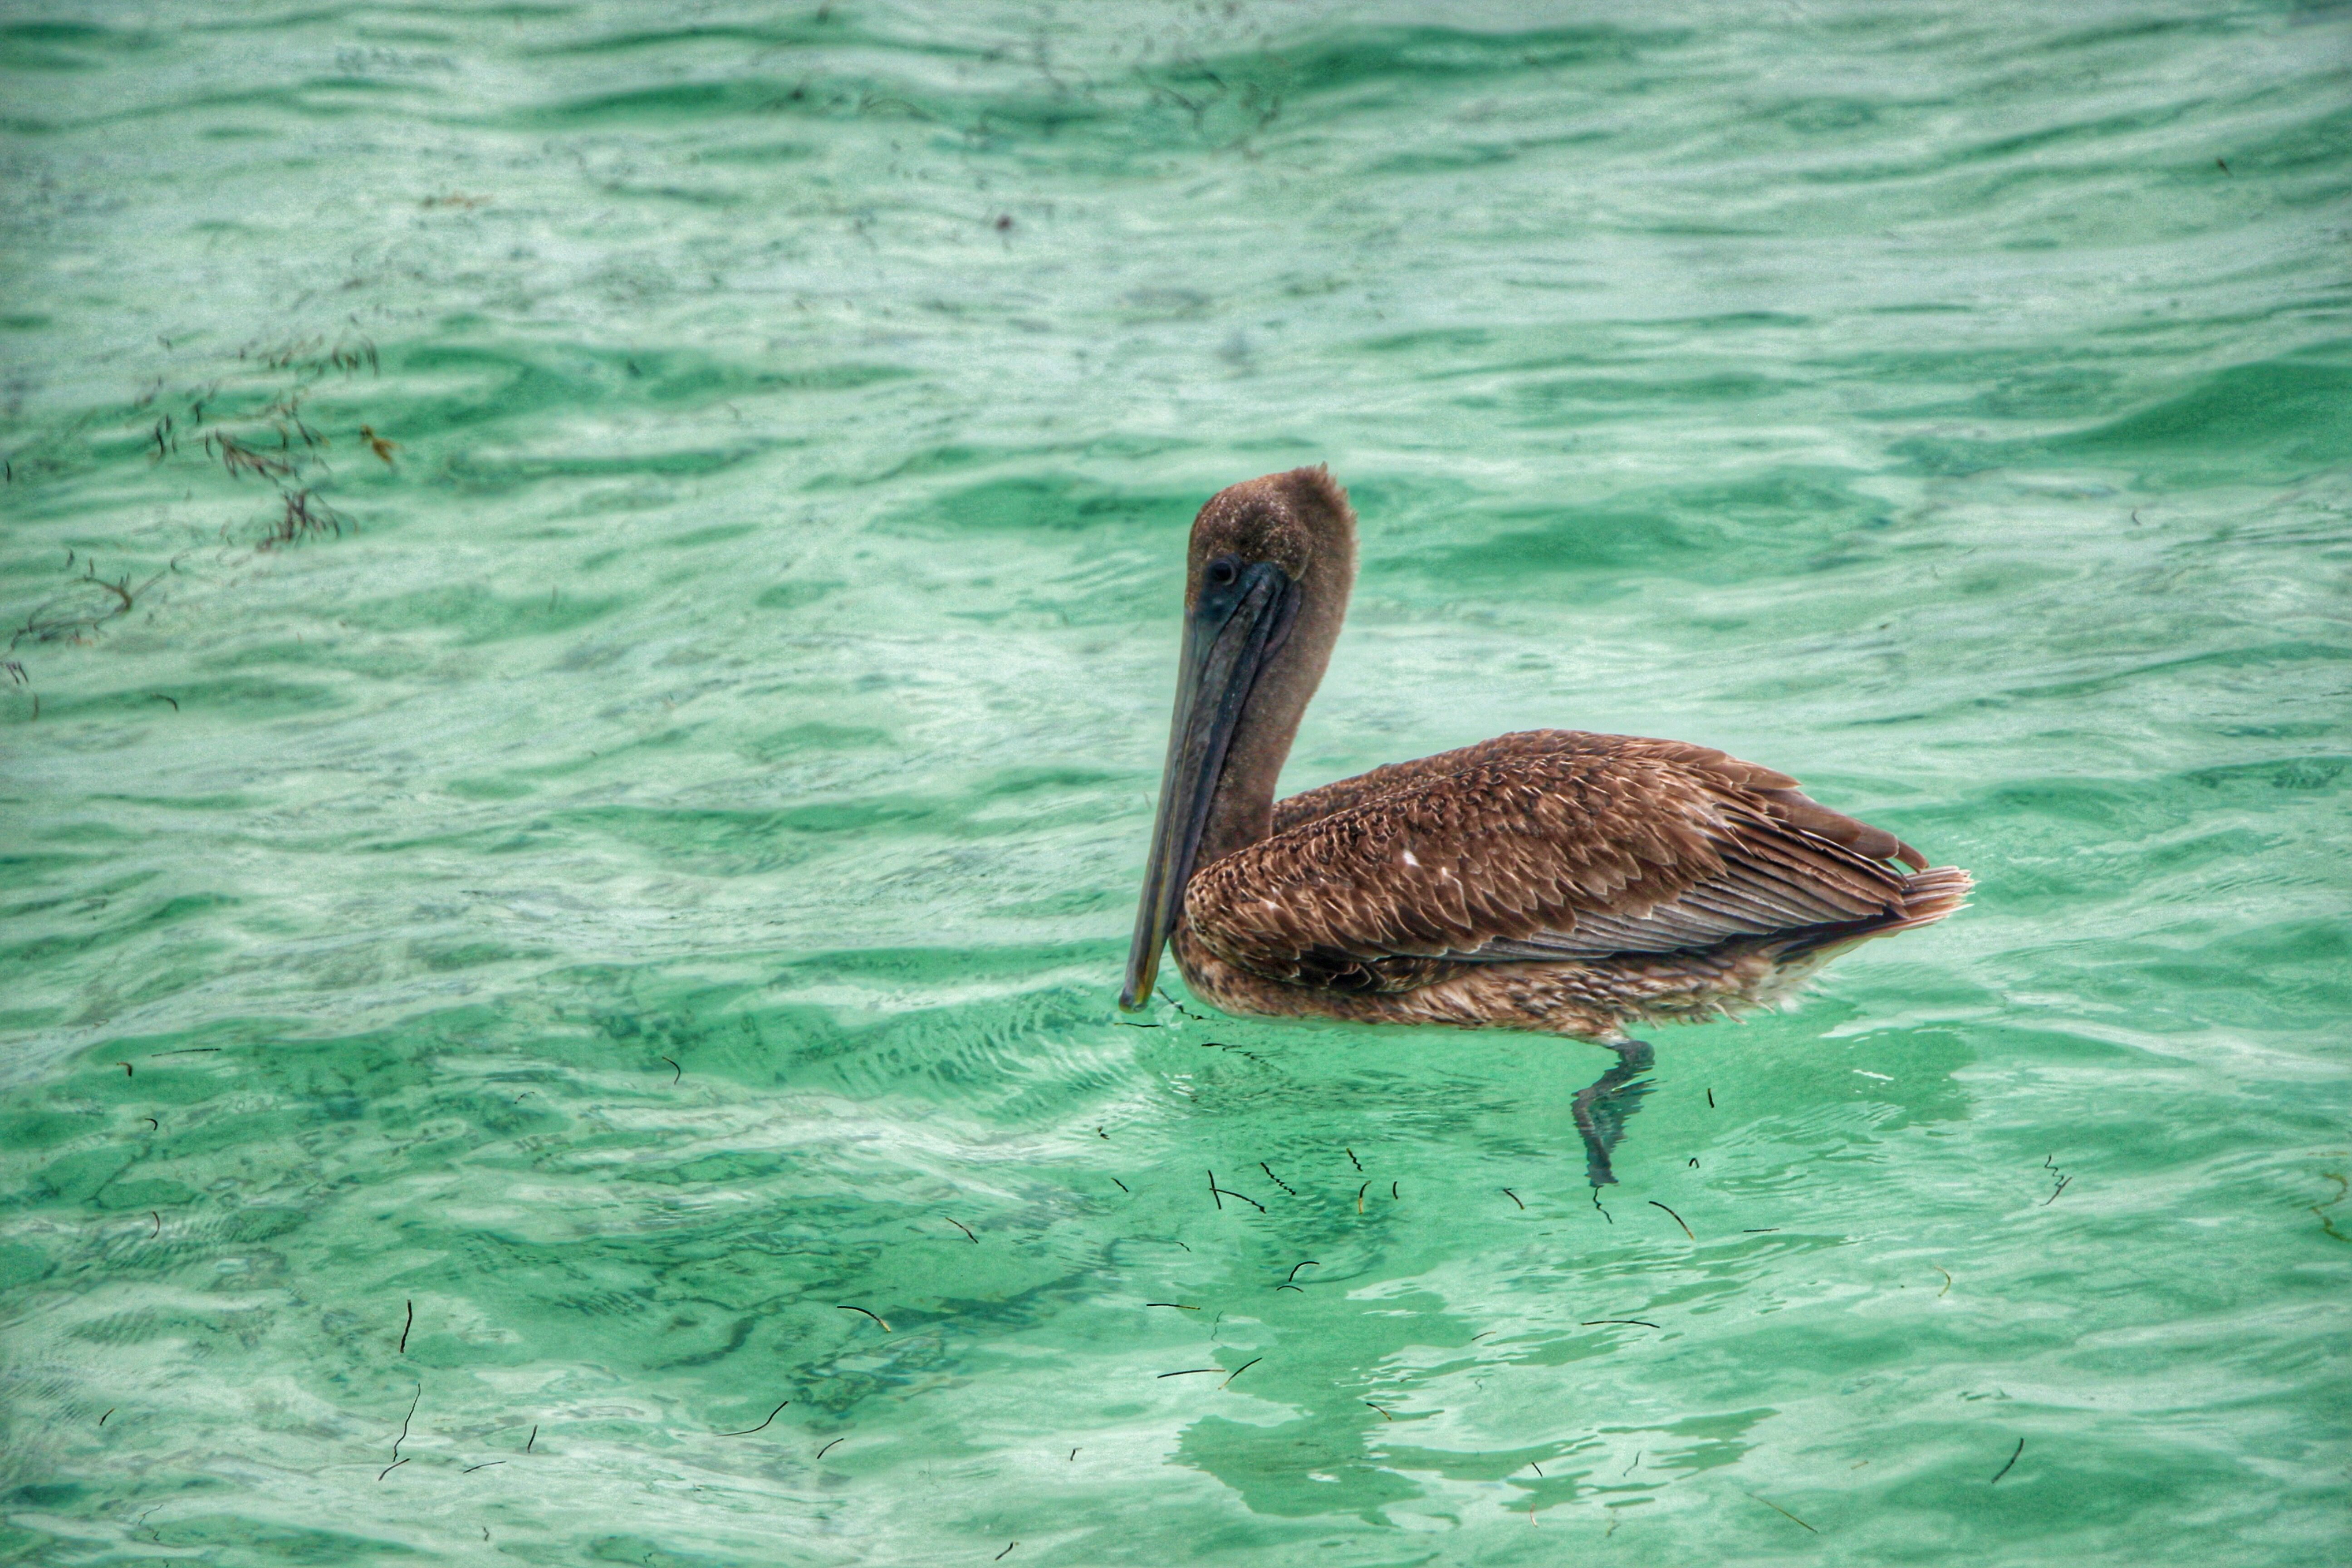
[
  {"x": 396, "y": 1460},
  {"x": 1215, "y": 1192},
  {"x": 1783, "y": 1512},
  {"x": 745, "y": 1432}
]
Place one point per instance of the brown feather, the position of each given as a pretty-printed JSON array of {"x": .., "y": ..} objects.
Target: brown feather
[{"x": 1543, "y": 845}]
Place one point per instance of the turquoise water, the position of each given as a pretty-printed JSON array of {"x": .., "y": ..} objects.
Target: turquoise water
[{"x": 507, "y": 937}]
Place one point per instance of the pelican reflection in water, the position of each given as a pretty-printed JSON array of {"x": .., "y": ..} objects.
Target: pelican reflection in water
[{"x": 1548, "y": 881}]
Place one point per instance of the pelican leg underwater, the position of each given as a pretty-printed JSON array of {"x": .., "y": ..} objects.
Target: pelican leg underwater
[{"x": 1548, "y": 881}]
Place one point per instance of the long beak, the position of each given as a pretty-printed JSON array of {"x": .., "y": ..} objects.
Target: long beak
[{"x": 1228, "y": 638}]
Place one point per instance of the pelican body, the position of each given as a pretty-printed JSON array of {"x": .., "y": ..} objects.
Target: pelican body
[{"x": 1548, "y": 881}]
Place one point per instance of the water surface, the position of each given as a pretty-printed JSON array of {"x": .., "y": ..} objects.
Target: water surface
[{"x": 510, "y": 935}]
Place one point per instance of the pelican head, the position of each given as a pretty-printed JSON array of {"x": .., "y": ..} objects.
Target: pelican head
[{"x": 1265, "y": 587}]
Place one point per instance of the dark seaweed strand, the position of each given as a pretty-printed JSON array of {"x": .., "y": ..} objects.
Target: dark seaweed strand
[
  {"x": 1277, "y": 1181},
  {"x": 1686, "y": 1231},
  {"x": 1353, "y": 1161},
  {"x": 527, "y": 1447},
  {"x": 1229, "y": 1192},
  {"x": 1784, "y": 1513},
  {"x": 1181, "y": 1009},
  {"x": 1597, "y": 1321},
  {"x": 2012, "y": 1460},
  {"x": 1241, "y": 1369},
  {"x": 1309, "y": 1263},
  {"x": 1515, "y": 1198},
  {"x": 405, "y": 1420},
  {"x": 745, "y": 1432},
  {"x": 407, "y": 1326}
]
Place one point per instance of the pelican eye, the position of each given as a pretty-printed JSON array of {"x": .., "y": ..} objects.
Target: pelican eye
[{"x": 1223, "y": 570}]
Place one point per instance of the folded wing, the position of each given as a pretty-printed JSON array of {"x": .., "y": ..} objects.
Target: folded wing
[{"x": 1547, "y": 845}]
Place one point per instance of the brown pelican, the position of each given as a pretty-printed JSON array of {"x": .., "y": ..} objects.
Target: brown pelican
[{"x": 1548, "y": 881}]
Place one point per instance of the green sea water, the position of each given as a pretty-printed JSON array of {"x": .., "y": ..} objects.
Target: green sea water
[{"x": 556, "y": 974}]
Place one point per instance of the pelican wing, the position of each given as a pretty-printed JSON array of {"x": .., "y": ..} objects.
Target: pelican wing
[{"x": 1545, "y": 845}]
